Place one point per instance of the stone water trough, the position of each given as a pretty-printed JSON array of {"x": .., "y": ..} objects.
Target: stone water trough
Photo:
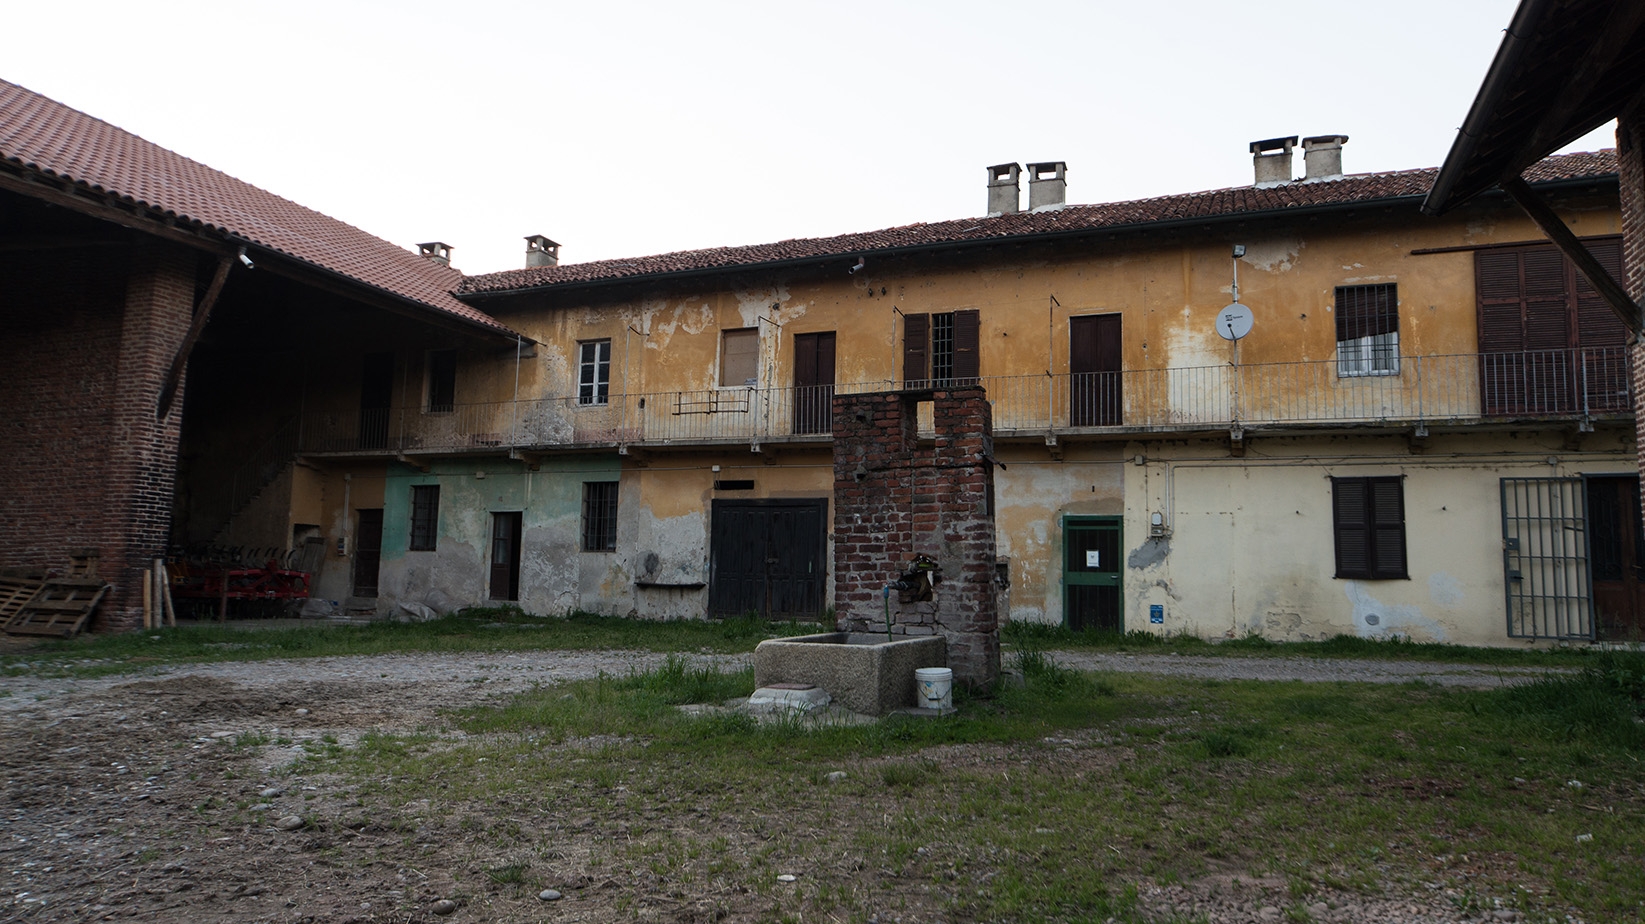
[{"x": 863, "y": 672}]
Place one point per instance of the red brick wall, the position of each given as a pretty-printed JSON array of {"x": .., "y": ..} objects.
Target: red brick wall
[
  {"x": 895, "y": 499},
  {"x": 1630, "y": 143},
  {"x": 85, "y": 339}
]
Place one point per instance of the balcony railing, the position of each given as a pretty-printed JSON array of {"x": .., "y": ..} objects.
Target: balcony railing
[{"x": 1550, "y": 384}]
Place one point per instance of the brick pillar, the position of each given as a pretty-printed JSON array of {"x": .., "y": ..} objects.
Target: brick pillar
[
  {"x": 1630, "y": 151},
  {"x": 895, "y": 499},
  {"x": 140, "y": 470}
]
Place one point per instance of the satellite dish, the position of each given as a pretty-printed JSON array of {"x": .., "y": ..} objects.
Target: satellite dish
[{"x": 1234, "y": 321}]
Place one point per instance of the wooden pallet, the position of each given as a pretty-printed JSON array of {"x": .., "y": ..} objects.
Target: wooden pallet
[
  {"x": 15, "y": 591},
  {"x": 60, "y": 607}
]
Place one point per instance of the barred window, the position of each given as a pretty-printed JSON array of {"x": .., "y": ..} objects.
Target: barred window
[
  {"x": 1367, "y": 330},
  {"x": 425, "y": 516},
  {"x": 594, "y": 372},
  {"x": 599, "y": 516}
]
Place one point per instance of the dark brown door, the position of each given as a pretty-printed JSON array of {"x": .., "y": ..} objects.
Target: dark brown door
[
  {"x": 368, "y": 551},
  {"x": 768, "y": 557},
  {"x": 505, "y": 556},
  {"x": 1098, "y": 398},
  {"x": 376, "y": 396},
  {"x": 814, "y": 383},
  {"x": 1616, "y": 553}
]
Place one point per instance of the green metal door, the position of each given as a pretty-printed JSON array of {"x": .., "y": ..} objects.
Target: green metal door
[{"x": 1091, "y": 574}]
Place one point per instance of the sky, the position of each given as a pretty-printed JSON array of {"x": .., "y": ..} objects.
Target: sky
[{"x": 631, "y": 128}]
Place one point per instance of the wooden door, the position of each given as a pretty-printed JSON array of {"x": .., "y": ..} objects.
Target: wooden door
[
  {"x": 505, "y": 556},
  {"x": 1094, "y": 359},
  {"x": 814, "y": 383},
  {"x": 368, "y": 551},
  {"x": 376, "y": 396},
  {"x": 1616, "y": 557},
  {"x": 1091, "y": 574},
  {"x": 768, "y": 557}
]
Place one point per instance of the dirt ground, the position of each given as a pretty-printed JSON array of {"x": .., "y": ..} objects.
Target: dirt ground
[{"x": 159, "y": 798}]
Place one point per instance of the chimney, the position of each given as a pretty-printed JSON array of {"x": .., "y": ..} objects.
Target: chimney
[
  {"x": 436, "y": 251},
  {"x": 1004, "y": 197},
  {"x": 540, "y": 251},
  {"x": 1272, "y": 159},
  {"x": 1047, "y": 185},
  {"x": 1322, "y": 157}
]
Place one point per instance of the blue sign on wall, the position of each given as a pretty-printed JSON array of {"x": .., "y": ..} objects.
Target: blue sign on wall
[{"x": 1156, "y": 614}]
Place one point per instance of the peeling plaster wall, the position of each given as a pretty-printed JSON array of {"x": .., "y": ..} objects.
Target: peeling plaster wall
[{"x": 1251, "y": 550}]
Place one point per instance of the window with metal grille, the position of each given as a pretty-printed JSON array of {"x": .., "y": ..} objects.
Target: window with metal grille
[
  {"x": 594, "y": 372},
  {"x": 740, "y": 356},
  {"x": 1367, "y": 330},
  {"x": 940, "y": 349},
  {"x": 442, "y": 381},
  {"x": 1368, "y": 515},
  {"x": 599, "y": 516},
  {"x": 425, "y": 516}
]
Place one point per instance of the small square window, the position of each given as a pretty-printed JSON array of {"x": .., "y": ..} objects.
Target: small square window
[
  {"x": 425, "y": 517},
  {"x": 1367, "y": 330},
  {"x": 594, "y": 372},
  {"x": 599, "y": 516},
  {"x": 740, "y": 357}
]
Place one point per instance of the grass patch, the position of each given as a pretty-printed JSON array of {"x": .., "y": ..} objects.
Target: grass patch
[
  {"x": 477, "y": 630},
  {"x": 1064, "y": 798}
]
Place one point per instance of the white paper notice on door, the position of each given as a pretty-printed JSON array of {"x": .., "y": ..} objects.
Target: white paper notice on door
[{"x": 1093, "y": 558}]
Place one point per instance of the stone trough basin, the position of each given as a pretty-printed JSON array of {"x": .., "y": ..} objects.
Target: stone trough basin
[{"x": 864, "y": 673}]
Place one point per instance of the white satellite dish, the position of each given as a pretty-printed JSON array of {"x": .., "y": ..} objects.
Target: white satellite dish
[{"x": 1234, "y": 321}]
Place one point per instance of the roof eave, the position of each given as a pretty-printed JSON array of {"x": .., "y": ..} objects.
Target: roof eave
[{"x": 984, "y": 243}]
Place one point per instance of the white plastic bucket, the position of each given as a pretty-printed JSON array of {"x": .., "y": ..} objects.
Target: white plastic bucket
[{"x": 934, "y": 687}]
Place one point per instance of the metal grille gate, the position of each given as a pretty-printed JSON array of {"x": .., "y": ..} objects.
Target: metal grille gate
[{"x": 1545, "y": 558}]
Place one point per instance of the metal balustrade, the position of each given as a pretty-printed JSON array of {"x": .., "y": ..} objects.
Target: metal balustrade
[{"x": 1469, "y": 387}]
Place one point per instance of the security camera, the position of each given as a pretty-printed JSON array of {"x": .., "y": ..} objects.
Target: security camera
[{"x": 1239, "y": 251}]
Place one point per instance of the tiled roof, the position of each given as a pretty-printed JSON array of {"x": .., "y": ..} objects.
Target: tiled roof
[
  {"x": 44, "y": 135},
  {"x": 1218, "y": 203}
]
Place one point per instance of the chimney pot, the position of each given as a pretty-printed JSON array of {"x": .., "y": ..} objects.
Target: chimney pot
[
  {"x": 1322, "y": 157},
  {"x": 1272, "y": 159},
  {"x": 1047, "y": 185},
  {"x": 1004, "y": 196},
  {"x": 540, "y": 251},
  {"x": 437, "y": 251}
]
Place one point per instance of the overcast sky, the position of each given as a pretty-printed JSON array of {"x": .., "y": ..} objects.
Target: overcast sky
[{"x": 624, "y": 129}]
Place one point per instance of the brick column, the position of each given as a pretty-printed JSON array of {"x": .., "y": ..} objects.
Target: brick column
[
  {"x": 1630, "y": 156},
  {"x": 140, "y": 470},
  {"x": 895, "y": 500}
]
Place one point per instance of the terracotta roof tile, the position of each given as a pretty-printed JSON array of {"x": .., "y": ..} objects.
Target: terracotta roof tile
[
  {"x": 1217, "y": 203},
  {"x": 44, "y": 135}
]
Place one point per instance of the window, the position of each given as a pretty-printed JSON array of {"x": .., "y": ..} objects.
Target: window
[
  {"x": 1369, "y": 518},
  {"x": 740, "y": 356},
  {"x": 594, "y": 372},
  {"x": 442, "y": 381},
  {"x": 1367, "y": 330},
  {"x": 425, "y": 516},
  {"x": 940, "y": 349},
  {"x": 599, "y": 516}
]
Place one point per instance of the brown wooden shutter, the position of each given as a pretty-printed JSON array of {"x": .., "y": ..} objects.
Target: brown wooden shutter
[
  {"x": 916, "y": 348},
  {"x": 1387, "y": 514},
  {"x": 967, "y": 340},
  {"x": 1368, "y": 515},
  {"x": 1352, "y": 531},
  {"x": 1597, "y": 324},
  {"x": 1496, "y": 281}
]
